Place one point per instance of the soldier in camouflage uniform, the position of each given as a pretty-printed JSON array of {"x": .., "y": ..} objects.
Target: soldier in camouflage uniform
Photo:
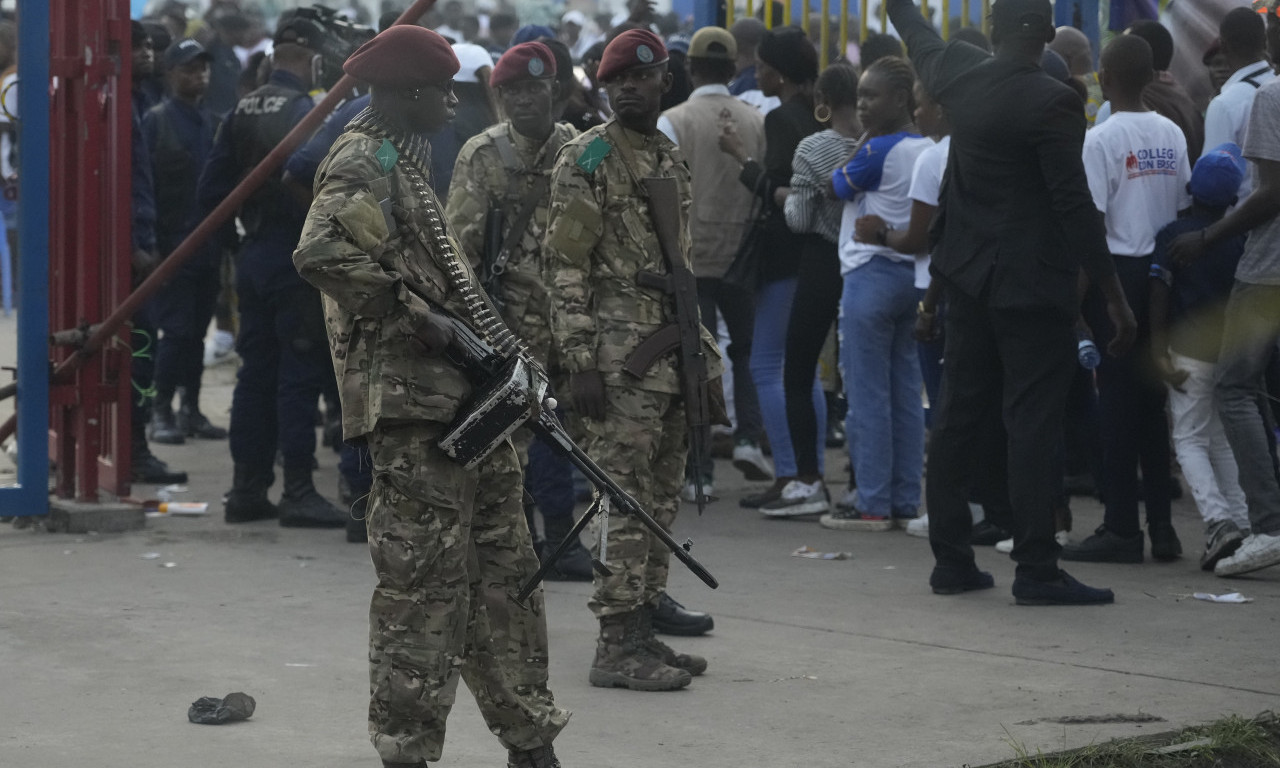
[
  {"x": 501, "y": 182},
  {"x": 600, "y": 237},
  {"x": 450, "y": 546}
]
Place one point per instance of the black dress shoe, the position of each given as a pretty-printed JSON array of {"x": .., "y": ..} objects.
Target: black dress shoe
[
  {"x": 1062, "y": 591},
  {"x": 946, "y": 580},
  {"x": 196, "y": 424},
  {"x": 1105, "y": 547},
  {"x": 149, "y": 470},
  {"x": 671, "y": 618},
  {"x": 1165, "y": 546},
  {"x": 987, "y": 534}
]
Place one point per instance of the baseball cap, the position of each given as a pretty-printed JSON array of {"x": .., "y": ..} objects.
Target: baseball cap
[
  {"x": 1215, "y": 179},
  {"x": 713, "y": 43},
  {"x": 471, "y": 58},
  {"x": 1020, "y": 17},
  {"x": 184, "y": 51}
]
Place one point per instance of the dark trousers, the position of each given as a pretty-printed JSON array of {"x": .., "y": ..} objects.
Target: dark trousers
[
  {"x": 813, "y": 311},
  {"x": 285, "y": 360},
  {"x": 1131, "y": 409},
  {"x": 183, "y": 309},
  {"x": 737, "y": 307},
  {"x": 549, "y": 480},
  {"x": 1010, "y": 366},
  {"x": 142, "y": 374}
]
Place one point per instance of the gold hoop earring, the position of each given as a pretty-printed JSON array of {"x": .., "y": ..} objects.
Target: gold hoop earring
[{"x": 821, "y": 117}]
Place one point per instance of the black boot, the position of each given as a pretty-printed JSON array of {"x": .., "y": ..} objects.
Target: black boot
[
  {"x": 671, "y": 618},
  {"x": 575, "y": 563},
  {"x": 163, "y": 427},
  {"x": 542, "y": 757},
  {"x": 302, "y": 506},
  {"x": 149, "y": 470},
  {"x": 193, "y": 423},
  {"x": 358, "y": 506},
  {"x": 247, "y": 501}
]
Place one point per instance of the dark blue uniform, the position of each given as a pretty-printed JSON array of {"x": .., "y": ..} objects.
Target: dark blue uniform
[
  {"x": 282, "y": 339},
  {"x": 178, "y": 138}
]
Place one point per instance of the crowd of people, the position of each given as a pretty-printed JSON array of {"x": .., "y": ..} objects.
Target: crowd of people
[{"x": 1048, "y": 277}]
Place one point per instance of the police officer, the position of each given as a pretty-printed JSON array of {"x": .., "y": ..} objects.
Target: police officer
[
  {"x": 449, "y": 544},
  {"x": 601, "y": 236},
  {"x": 285, "y": 366},
  {"x": 179, "y": 134},
  {"x": 498, "y": 205}
]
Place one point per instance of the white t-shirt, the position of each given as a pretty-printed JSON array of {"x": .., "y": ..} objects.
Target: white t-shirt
[
  {"x": 926, "y": 183},
  {"x": 1138, "y": 172},
  {"x": 876, "y": 182},
  {"x": 1227, "y": 119}
]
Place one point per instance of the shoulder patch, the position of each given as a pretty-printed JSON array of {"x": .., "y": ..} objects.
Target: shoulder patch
[
  {"x": 387, "y": 155},
  {"x": 594, "y": 154}
]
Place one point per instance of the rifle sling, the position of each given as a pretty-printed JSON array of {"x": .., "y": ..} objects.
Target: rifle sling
[{"x": 528, "y": 204}]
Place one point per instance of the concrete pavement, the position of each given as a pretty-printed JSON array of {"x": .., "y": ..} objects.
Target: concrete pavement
[{"x": 812, "y": 663}]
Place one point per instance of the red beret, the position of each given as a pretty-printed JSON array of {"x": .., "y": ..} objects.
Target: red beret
[
  {"x": 633, "y": 49},
  {"x": 526, "y": 61},
  {"x": 403, "y": 56}
]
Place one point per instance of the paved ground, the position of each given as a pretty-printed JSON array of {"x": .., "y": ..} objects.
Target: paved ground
[{"x": 813, "y": 663}]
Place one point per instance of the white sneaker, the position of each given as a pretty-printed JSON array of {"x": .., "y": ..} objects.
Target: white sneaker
[
  {"x": 750, "y": 461},
  {"x": 1006, "y": 546},
  {"x": 1258, "y": 551},
  {"x": 919, "y": 527},
  {"x": 799, "y": 499},
  {"x": 690, "y": 492},
  {"x": 219, "y": 349}
]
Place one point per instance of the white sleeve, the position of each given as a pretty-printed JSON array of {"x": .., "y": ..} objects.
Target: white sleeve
[
  {"x": 1184, "y": 171},
  {"x": 926, "y": 178},
  {"x": 1095, "y": 168},
  {"x": 665, "y": 125},
  {"x": 1217, "y": 126}
]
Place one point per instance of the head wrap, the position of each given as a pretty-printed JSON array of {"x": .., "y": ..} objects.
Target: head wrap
[{"x": 789, "y": 51}]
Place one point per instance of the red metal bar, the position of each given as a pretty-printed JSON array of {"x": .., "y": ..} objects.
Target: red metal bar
[{"x": 108, "y": 329}]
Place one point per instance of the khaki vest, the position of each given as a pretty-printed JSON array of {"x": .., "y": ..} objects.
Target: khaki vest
[{"x": 721, "y": 204}]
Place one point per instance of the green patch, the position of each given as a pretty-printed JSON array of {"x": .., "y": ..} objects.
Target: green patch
[
  {"x": 387, "y": 155},
  {"x": 1234, "y": 742},
  {"x": 594, "y": 154}
]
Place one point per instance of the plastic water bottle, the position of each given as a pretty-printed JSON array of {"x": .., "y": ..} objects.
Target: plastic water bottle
[{"x": 1087, "y": 352}]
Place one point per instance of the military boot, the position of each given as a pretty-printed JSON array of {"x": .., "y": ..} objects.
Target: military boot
[
  {"x": 357, "y": 526},
  {"x": 541, "y": 757},
  {"x": 163, "y": 427},
  {"x": 192, "y": 422},
  {"x": 247, "y": 501},
  {"x": 624, "y": 661},
  {"x": 575, "y": 563},
  {"x": 302, "y": 506},
  {"x": 694, "y": 665}
]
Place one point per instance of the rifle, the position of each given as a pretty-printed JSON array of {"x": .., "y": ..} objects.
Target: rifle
[
  {"x": 484, "y": 365},
  {"x": 492, "y": 267},
  {"x": 686, "y": 332}
]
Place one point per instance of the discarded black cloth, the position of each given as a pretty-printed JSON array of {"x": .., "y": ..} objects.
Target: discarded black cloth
[{"x": 210, "y": 711}]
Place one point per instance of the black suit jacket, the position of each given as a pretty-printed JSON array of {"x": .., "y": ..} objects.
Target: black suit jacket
[{"x": 1016, "y": 221}]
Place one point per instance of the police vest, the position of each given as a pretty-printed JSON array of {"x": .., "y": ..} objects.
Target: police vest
[
  {"x": 174, "y": 170},
  {"x": 262, "y": 120}
]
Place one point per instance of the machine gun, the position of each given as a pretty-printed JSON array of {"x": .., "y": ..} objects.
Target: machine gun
[{"x": 511, "y": 393}]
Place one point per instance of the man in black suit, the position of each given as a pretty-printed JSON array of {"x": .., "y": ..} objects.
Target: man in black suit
[{"x": 1015, "y": 227}]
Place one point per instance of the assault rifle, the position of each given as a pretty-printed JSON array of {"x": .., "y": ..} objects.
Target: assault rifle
[
  {"x": 686, "y": 332},
  {"x": 511, "y": 393},
  {"x": 492, "y": 266}
]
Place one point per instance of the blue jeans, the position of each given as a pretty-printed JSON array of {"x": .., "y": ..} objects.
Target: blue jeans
[
  {"x": 881, "y": 369},
  {"x": 768, "y": 354}
]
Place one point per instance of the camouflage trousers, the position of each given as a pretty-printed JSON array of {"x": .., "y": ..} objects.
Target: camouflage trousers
[
  {"x": 451, "y": 549},
  {"x": 642, "y": 443}
]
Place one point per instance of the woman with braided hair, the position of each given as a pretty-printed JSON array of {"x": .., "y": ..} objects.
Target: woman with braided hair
[{"x": 878, "y": 358}]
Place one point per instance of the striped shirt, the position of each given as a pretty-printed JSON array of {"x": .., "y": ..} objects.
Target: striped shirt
[{"x": 808, "y": 208}]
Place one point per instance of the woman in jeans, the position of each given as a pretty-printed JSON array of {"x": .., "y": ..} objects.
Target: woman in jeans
[
  {"x": 878, "y": 357},
  {"x": 786, "y": 66},
  {"x": 811, "y": 211}
]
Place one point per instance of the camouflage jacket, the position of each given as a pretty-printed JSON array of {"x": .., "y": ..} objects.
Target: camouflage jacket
[
  {"x": 483, "y": 177},
  {"x": 374, "y": 272},
  {"x": 599, "y": 237}
]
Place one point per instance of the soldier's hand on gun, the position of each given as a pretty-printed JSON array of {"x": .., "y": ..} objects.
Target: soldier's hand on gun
[
  {"x": 587, "y": 388},
  {"x": 434, "y": 333}
]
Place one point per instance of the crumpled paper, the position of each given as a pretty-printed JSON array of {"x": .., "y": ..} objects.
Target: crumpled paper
[
  {"x": 1230, "y": 597},
  {"x": 813, "y": 554},
  {"x": 210, "y": 711}
]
